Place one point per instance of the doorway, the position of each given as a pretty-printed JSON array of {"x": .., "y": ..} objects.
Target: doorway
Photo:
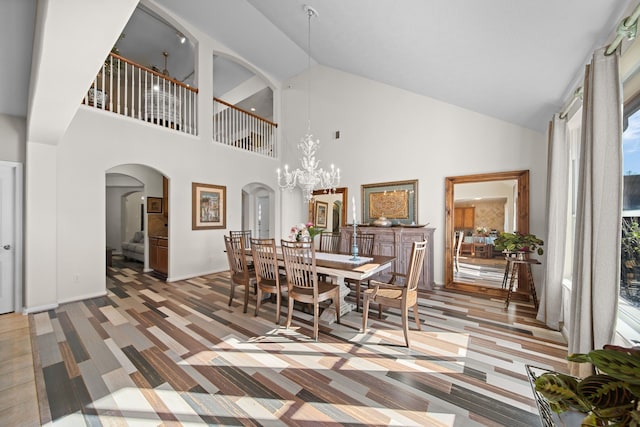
[
  {"x": 258, "y": 203},
  {"x": 10, "y": 237}
]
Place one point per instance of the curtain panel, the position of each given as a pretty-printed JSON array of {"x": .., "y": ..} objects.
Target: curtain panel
[
  {"x": 596, "y": 266},
  {"x": 558, "y": 167}
]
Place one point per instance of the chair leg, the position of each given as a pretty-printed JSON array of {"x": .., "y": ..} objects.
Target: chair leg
[
  {"x": 232, "y": 291},
  {"x": 246, "y": 297},
  {"x": 258, "y": 300},
  {"x": 290, "y": 313},
  {"x": 316, "y": 315},
  {"x": 379, "y": 311},
  {"x": 415, "y": 314},
  {"x": 405, "y": 325},
  {"x": 357, "y": 285},
  {"x": 365, "y": 312},
  {"x": 278, "y": 307},
  {"x": 336, "y": 302}
]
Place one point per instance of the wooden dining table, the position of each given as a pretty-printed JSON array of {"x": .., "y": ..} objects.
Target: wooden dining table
[{"x": 342, "y": 266}]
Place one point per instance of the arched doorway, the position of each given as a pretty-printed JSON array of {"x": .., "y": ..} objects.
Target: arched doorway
[
  {"x": 258, "y": 208},
  {"x": 131, "y": 227}
]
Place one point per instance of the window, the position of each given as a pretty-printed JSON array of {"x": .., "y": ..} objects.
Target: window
[{"x": 629, "y": 302}]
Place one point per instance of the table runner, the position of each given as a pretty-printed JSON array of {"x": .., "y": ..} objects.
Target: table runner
[{"x": 326, "y": 256}]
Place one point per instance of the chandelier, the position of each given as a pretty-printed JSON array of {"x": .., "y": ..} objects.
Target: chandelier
[{"x": 310, "y": 177}]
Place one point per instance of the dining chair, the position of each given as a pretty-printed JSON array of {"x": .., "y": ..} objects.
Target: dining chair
[
  {"x": 268, "y": 277},
  {"x": 303, "y": 284},
  {"x": 393, "y": 295},
  {"x": 365, "y": 249},
  {"x": 238, "y": 268},
  {"x": 329, "y": 242}
]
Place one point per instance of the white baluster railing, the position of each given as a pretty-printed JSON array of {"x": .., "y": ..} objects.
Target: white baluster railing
[
  {"x": 131, "y": 90},
  {"x": 239, "y": 128}
]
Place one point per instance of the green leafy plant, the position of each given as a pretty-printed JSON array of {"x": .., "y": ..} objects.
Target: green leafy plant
[
  {"x": 609, "y": 397},
  {"x": 514, "y": 242}
]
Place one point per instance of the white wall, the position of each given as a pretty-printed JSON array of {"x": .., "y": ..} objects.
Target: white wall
[
  {"x": 114, "y": 213},
  {"x": 12, "y": 138},
  {"x": 389, "y": 134}
]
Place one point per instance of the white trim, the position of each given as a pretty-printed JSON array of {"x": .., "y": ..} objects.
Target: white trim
[
  {"x": 18, "y": 227},
  {"x": 83, "y": 297},
  {"x": 29, "y": 310},
  {"x": 191, "y": 276}
]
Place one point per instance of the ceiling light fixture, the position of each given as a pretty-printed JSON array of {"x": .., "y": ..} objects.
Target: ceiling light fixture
[{"x": 310, "y": 177}]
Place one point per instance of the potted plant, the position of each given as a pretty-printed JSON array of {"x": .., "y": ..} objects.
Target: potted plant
[
  {"x": 518, "y": 242},
  {"x": 610, "y": 397}
]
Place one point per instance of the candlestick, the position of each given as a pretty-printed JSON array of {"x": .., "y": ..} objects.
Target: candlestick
[
  {"x": 354, "y": 247},
  {"x": 353, "y": 205}
]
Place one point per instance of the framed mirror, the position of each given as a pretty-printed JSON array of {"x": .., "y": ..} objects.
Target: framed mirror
[
  {"x": 329, "y": 209},
  {"x": 478, "y": 208}
]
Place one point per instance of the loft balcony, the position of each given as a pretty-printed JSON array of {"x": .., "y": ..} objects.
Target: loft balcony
[
  {"x": 126, "y": 88},
  {"x": 129, "y": 89}
]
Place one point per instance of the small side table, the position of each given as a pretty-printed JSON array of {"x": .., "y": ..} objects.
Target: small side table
[{"x": 513, "y": 265}]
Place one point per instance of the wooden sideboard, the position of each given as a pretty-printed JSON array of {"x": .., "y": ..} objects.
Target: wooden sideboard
[{"x": 397, "y": 242}]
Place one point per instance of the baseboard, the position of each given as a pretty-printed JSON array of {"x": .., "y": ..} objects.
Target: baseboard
[
  {"x": 38, "y": 309},
  {"x": 191, "y": 276},
  {"x": 83, "y": 297}
]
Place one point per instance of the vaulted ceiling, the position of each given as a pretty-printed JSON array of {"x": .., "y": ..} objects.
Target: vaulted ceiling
[{"x": 513, "y": 60}]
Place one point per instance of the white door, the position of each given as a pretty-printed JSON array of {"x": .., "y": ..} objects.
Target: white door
[
  {"x": 7, "y": 239},
  {"x": 263, "y": 217}
]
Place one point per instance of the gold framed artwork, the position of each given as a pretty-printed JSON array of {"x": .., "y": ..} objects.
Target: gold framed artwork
[
  {"x": 154, "y": 204},
  {"x": 209, "y": 206},
  {"x": 320, "y": 218},
  {"x": 395, "y": 200}
]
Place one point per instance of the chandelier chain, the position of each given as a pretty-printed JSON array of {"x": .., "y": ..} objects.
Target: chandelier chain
[{"x": 311, "y": 177}]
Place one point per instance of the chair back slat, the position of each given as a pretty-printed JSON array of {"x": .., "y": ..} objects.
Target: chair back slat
[
  {"x": 415, "y": 265},
  {"x": 245, "y": 235},
  {"x": 365, "y": 243},
  {"x": 300, "y": 264},
  {"x": 329, "y": 242},
  {"x": 265, "y": 259}
]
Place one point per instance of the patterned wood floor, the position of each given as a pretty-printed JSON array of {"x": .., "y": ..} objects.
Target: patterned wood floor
[{"x": 156, "y": 353}]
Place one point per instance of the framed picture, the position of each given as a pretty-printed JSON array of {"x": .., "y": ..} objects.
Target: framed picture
[
  {"x": 397, "y": 201},
  {"x": 320, "y": 219},
  {"x": 154, "y": 204},
  {"x": 209, "y": 206}
]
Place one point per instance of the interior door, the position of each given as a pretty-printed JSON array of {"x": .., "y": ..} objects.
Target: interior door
[{"x": 7, "y": 239}]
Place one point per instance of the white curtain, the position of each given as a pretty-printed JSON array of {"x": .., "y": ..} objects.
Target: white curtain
[
  {"x": 596, "y": 266},
  {"x": 557, "y": 189}
]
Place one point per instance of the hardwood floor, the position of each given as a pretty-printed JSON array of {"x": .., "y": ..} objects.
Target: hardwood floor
[
  {"x": 18, "y": 399},
  {"x": 156, "y": 353}
]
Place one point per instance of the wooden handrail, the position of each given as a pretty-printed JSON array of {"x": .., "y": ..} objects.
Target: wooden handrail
[
  {"x": 149, "y": 70},
  {"x": 245, "y": 111}
]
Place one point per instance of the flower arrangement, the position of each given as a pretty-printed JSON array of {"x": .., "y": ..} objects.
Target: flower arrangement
[
  {"x": 300, "y": 231},
  {"x": 482, "y": 230}
]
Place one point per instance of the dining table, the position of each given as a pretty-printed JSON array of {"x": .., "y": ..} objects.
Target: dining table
[{"x": 342, "y": 266}]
